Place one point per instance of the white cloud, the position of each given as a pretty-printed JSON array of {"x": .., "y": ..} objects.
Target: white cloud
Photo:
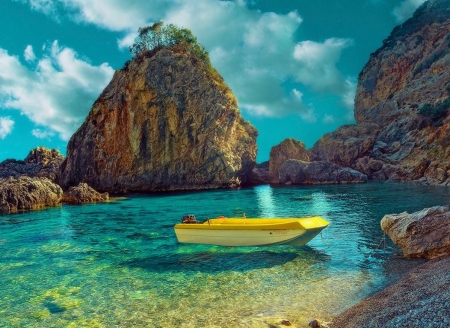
[
  {"x": 128, "y": 39},
  {"x": 115, "y": 15},
  {"x": 42, "y": 134},
  {"x": 28, "y": 54},
  {"x": 348, "y": 96},
  {"x": 406, "y": 9},
  {"x": 328, "y": 119},
  {"x": 297, "y": 94},
  {"x": 46, "y": 6},
  {"x": 6, "y": 126},
  {"x": 317, "y": 64},
  {"x": 57, "y": 93},
  {"x": 254, "y": 51},
  {"x": 309, "y": 115}
]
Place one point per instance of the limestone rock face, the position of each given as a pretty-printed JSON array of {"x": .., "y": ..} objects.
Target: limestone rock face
[
  {"x": 40, "y": 162},
  {"x": 395, "y": 137},
  {"x": 421, "y": 234},
  {"x": 25, "y": 193},
  {"x": 287, "y": 149},
  {"x": 322, "y": 172},
  {"x": 166, "y": 121},
  {"x": 83, "y": 194}
]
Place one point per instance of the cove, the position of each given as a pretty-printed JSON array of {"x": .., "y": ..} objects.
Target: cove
[{"x": 119, "y": 263}]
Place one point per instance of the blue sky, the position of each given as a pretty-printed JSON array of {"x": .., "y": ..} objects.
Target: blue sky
[{"x": 293, "y": 65}]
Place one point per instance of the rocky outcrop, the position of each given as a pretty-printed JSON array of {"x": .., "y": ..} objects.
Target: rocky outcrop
[
  {"x": 421, "y": 234},
  {"x": 345, "y": 145},
  {"x": 287, "y": 149},
  {"x": 259, "y": 174},
  {"x": 322, "y": 172},
  {"x": 40, "y": 162},
  {"x": 401, "y": 106},
  {"x": 166, "y": 121},
  {"x": 83, "y": 194},
  {"x": 25, "y": 193}
]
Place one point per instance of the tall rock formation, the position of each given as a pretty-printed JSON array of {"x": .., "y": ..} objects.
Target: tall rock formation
[
  {"x": 402, "y": 105},
  {"x": 166, "y": 121}
]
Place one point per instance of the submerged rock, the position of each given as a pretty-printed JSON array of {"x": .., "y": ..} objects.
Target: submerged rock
[
  {"x": 166, "y": 121},
  {"x": 322, "y": 172},
  {"x": 25, "y": 193},
  {"x": 314, "y": 324},
  {"x": 83, "y": 194},
  {"x": 425, "y": 233}
]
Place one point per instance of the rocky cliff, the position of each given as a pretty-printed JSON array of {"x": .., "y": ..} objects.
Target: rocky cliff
[
  {"x": 401, "y": 106},
  {"x": 166, "y": 121}
]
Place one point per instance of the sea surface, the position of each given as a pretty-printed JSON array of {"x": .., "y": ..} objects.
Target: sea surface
[{"x": 118, "y": 264}]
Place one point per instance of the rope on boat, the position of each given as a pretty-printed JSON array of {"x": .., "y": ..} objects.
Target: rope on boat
[{"x": 323, "y": 239}]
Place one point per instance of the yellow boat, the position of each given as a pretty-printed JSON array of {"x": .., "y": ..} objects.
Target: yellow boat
[{"x": 249, "y": 232}]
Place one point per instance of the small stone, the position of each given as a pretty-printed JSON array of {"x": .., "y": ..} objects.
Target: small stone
[
  {"x": 286, "y": 322},
  {"x": 314, "y": 324}
]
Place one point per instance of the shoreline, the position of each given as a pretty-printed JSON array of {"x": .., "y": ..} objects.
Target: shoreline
[{"x": 419, "y": 299}]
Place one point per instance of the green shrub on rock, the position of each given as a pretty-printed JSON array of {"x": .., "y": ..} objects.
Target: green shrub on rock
[{"x": 436, "y": 113}]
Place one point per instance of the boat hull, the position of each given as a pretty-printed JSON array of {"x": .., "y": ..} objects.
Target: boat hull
[{"x": 251, "y": 232}]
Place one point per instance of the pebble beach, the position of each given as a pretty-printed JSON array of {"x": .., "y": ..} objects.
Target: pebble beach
[{"x": 419, "y": 299}]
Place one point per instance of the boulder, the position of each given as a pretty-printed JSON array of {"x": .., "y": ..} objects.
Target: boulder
[
  {"x": 83, "y": 194},
  {"x": 25, "y": 193},
  {"x": 166, "y": 121},
  {"x": 425, "y": 233},
  {"x": 287, "y": 149},
  {"x": 40, "y": 162},
  {"x": 322, "y": 172}
]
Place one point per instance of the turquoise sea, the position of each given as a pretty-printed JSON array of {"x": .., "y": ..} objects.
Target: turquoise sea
[{"x": 118, "y": 264}]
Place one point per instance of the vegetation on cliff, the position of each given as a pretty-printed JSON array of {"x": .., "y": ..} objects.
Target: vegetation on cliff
[
  {"x": 158, "y": 36},
  {"x": 436, "y": 113},
  {"x": 153, "y": 38}
]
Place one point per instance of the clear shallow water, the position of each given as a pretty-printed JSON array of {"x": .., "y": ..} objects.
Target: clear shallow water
[{"x": 119, "y": 265}]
